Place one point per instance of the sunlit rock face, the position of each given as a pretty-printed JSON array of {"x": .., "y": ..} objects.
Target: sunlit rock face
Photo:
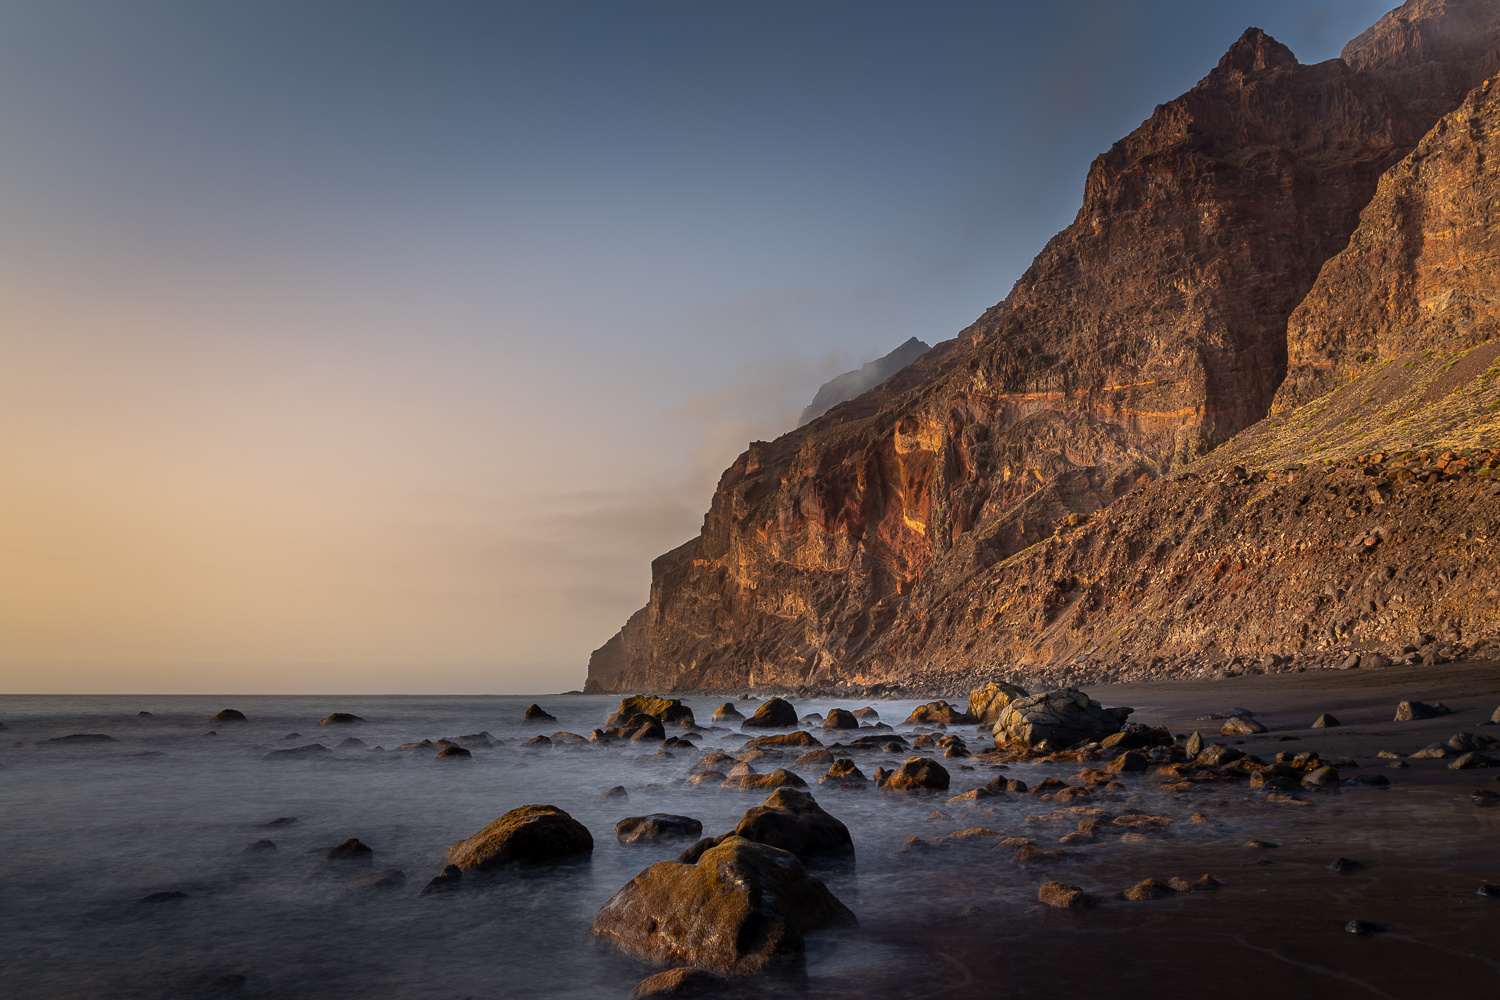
[{"x": 1148, "y": 332}]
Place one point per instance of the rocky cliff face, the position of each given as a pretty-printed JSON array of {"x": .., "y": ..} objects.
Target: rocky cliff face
[
  {"x": 1423, "y": 269},
  {"x": 864, "y": 546}
]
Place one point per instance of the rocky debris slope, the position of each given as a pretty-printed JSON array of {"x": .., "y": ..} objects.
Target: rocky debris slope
[{"x": 1149, "y": 331}]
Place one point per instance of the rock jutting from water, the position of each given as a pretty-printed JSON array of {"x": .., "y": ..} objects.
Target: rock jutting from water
[{"x": 528, "y": 835}]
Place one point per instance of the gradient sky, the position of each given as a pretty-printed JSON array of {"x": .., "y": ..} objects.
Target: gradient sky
[{"x": 371, "y": 346}]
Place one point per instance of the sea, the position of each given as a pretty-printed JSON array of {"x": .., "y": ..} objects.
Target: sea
[{"x": 90, "y": 830}]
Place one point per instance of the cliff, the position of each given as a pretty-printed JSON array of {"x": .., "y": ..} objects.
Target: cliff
[{"x": 895, "y": 539}]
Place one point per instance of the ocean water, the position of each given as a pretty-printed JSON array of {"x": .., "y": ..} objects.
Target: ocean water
[{"x": 88, "y": 830}]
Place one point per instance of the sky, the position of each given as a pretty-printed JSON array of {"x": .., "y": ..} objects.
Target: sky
[{"x": 375, "y": 346}]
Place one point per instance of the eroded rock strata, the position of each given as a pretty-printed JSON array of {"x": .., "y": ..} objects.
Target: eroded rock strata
[{"x": 933, "y": 529}]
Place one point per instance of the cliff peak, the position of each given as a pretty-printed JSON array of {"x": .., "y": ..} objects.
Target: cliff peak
[{"x": 1253, "y": 52}]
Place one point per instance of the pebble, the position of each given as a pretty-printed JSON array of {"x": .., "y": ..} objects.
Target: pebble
[{"x": 1362, "y": 927}]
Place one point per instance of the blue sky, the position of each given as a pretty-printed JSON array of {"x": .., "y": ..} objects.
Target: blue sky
[{"x": 375, "y": 346}]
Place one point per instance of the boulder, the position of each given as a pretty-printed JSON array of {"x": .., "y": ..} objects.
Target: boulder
[
  {"x": 839, "y": 718},
  {"x": 1240, "y": 726},
  {"x": 843, "y": 772},
  {"x": 1064, "y": 896},
  {"x": 773, "y": 714},
  {"x": 228, "y": 715},
  {"x": 656, "y": 827},
  {"x": 937, "y": 712},
  {"x": 728, "y": 713},
  {"x": 279, "y": 822},
  {"x": 637, "y": 727},
  {"x": 351, "y": 742},
  {"x": 1062, "y": 718},
  {"x": 1495, "y": 717},
  {"x": 1204, "y": 883},
  {"x": 1409, "y": 711},
  {"x": 1148, "y": 889},
  {"x": 1325, "y": 721},
  {"x": 776, "y": 779},
  {"x": 1134, "y": 736},
  {"x": 1194, "y": 745},
  {"x": 529, "y": 835},
  {"x": 792, "y": 821},
  {"x": 614, "y": 794},
  {"x": 664, "y": 709},
  {"x": 918, "y": 774},
  {"x": 986, "y": 703},
  {"x": 1321, "y": 777},
  {"x": 349, "y": 851},
  {"x": 814, "y": 758},
  {"x": 683, "y": 983},
  {"x": 1468, "y": 761},
  {"x": 878, "y": 741},
  {"x": 1129, "y": 762},
  {"x": 447, "y": 880},
  {"x": 734, "y": 911},
  {"x": 1000, "y": 785},
  {"x": 81, "y": 738},
  {"x": 259, "y": 847},
  {"x": 341, "y": 719},
  {"x": 538, "y": 714},
  {"x": 797, "y": 739},
  {"x": 868, "y": 712},
  {"x": 459, "y": 753},
  {"x": 306, "y": 750},
  {"x": 535, "y": 741}
]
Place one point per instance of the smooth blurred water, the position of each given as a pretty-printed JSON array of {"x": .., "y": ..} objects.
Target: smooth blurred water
[{"x": 87, "y": 830}]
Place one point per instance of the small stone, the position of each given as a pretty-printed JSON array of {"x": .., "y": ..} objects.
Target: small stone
[
  {"x": 1325, "y": 721},
  {"x": 350, "y": 850},
  {"x": 1206, "y": 883},
  {"x": 446, "y": 880},
  {"x": 615, "y": 794},
  {"x": 1409, "y": 711},
  {"x": 1195, "y": 744},
  {"x": 1362, "y": 927},
  {"x": 1345, "y": 865},
  {"x": 1239, "y": 726},
  {"x": 341, "y": 719},
  {"x": 1489, "y": 891},
  {"x": 536, "y": 713},
  {"x": 657, "y": 827},
  {"x": 1148, "y": 889},
  {"x": 1129, "y": 762},
  {"x": 1472, "y": 760},
  {"x": 1260, "y": 844},
  {"x": 1064, "y": 896},
  {"x": 1321, "y": 777}
]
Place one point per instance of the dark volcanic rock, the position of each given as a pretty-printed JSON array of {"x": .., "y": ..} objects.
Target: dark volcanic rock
[
  {"x": 668, "y": 710},
  {"x": 774, "y": 714},
  {"x": 737, "y": 909},
  {"x": 684, "y": 982},
  {"x": 341, "y": 719},
  {"x": 447, "y": 880},
  {"x": 536, "y": 713},
  {"x": 530, "y": 835},
  {"x": 655, "y": 827},
  {"x": 917, "y": 774},
  {"x": 458, "y": 753},
  {"x": 1062, "y": 718},
  {"x": 350, "y": 850},
  {"x": 839, "y": 718},
  {"x": 228, "y": 715},
  {"x": 1409, "y": 711},
  {"x": 938, "y": 712}
]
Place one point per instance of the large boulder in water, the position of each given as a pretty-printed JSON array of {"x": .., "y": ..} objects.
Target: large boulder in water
[
  {"x": 656, "y": 826},
  {"x": 528, "y": 835},
  {"x": 1061, "y": 718},
  {"x": 918, "y": 774},
  {"x": 728, "y": 713},
  {"x": 537, "y": 713},
  {"x": 228, "y": 715},
  {"x": 986, "y": 703},
  {"x": 666, "y": 709},
  {"x": 341, "y": 719},
  {"x": 790, "y": 820},
  {"x": 637, "y": 727},
  {"x": 774, "y": 714},
  {"x": 935, "y": 712},
  {"x": 840, "y": 718},
  {"x": 798, "y": 739},
  {"x": 737, "y": 909}
]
